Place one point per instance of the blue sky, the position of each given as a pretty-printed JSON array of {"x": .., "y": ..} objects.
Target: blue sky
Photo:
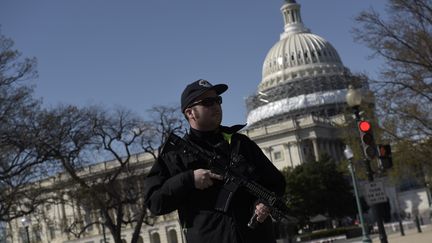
[{"x": 142, "y": 53}]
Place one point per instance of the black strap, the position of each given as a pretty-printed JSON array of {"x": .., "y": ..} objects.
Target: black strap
[{"x": 236, "y": 157}]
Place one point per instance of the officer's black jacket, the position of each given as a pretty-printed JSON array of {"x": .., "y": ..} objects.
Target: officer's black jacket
[{"x": 170, "y": 186}]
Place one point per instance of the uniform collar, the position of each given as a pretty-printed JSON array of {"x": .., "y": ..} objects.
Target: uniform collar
[
  {"x": 232, "y": 129},
  {"x": 220, "y": 129}
]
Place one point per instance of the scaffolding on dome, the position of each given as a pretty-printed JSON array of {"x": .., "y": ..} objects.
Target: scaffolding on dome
[{"x": 322, "y": 96}]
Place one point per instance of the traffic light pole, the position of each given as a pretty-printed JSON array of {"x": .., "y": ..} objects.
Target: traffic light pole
[{"x": 375, "y": 209}]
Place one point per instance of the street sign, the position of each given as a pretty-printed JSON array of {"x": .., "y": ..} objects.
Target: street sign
[{"x": 375, "y": 192}]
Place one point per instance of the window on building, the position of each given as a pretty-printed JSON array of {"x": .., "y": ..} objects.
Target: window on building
[
  {"x": 22, "y": 234},
  {"x": 155, "y": 238},
  {"x": 88, "y": 218},
  {"x": 36, "y": 229},
  {"x": 52, "y": 231},
  {"x": 277, "y": 155},
  {"x": 102, "y": 240},
  {"x": 172, "y": 236}
]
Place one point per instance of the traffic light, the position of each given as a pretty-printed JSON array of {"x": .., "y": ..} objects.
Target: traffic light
[
  {"x": 367, "y": 139},
  {"x": 385, "y": 156}
]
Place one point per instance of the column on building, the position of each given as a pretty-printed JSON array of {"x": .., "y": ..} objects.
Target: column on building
[
  {"x": 326, "y": 149},
  {"x": 16, "y": 233},
  {"x": 57, "y": 216},
  {"x": 333, "y": 151},
  {"x": 79, "y": 215},
  {"x": 289, "y": 159},
  {"x": 315, "y": 148},
  {"x": 299, "y": 141},
  {"x": 339, "y": 149},
  {"x": 63, "y": 217},
  {"x": 267, "y": 152},
  {"x": 45, "y": 235},
  {"x": 296, "y": 153}
]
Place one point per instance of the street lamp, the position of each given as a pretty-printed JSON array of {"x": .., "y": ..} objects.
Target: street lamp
[
  {"x": 349, "y": 156},
  {"x": 354, "y": 99},
  {"x": 26, "y": 223}
]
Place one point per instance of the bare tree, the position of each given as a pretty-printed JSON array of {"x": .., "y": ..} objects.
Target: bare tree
[
  {"x": 112, "y": 192},
  {"x": 36, "y": 143},
  {"x": 163, "y": 121},
  {"x": 75, "y": 135},
  {"x": 404, "y": 90},
  {"x": 119, "y": 136},
  {"x": 20, "y": 159}
]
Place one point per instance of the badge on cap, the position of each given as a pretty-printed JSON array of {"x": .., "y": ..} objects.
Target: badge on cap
[{"x": 204, "y": 83}]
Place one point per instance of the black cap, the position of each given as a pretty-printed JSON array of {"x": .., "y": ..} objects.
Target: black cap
[{"x": 197, "y": 88}]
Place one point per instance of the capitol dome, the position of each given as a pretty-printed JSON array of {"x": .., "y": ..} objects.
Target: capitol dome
[
  {"x": 299, "y": 53},
  {"x": 302, "y": 72}
]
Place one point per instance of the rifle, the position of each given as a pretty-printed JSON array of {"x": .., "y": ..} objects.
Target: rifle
[{"x": 232, "y": 181}]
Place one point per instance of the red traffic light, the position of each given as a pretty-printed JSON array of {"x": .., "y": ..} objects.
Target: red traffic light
[
  {"x": 384, "y": 150},
  {"x": 385, "y": 157},
  {"x": 364, "y": 126},
  {"x": 367, "y": 139}
]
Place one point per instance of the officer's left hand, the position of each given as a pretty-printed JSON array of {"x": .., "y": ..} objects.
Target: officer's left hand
[
  {"x": 262, "y": 212},
  {"x": 204, "y": 178}
]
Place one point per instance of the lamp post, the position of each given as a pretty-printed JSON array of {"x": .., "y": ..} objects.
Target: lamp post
[
  {"x": 354, "y": 99},
  {"x": 349, "y": 156},
  {"x": 26, "y": 223}
]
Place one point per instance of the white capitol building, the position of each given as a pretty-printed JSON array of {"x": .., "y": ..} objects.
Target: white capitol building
[
  {"x": 301, "y": 96},
  {"x": 293, "y": 117}
]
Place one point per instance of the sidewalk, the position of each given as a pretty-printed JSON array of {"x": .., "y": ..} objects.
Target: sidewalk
[{"x": 411, "y": 236}]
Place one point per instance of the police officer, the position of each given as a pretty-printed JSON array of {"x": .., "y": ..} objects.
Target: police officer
[{"x": 179, "y": 181}]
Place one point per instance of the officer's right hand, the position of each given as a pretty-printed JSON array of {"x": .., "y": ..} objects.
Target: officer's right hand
[{"x": 204, "y": 178}]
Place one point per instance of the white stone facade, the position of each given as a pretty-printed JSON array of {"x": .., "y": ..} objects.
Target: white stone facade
[
  {"x": 298, "y": 140},
  {"x": 47, "y": 224}
]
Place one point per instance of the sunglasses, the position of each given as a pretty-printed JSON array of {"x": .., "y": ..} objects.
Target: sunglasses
[{"x": 210, "y": 101}]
